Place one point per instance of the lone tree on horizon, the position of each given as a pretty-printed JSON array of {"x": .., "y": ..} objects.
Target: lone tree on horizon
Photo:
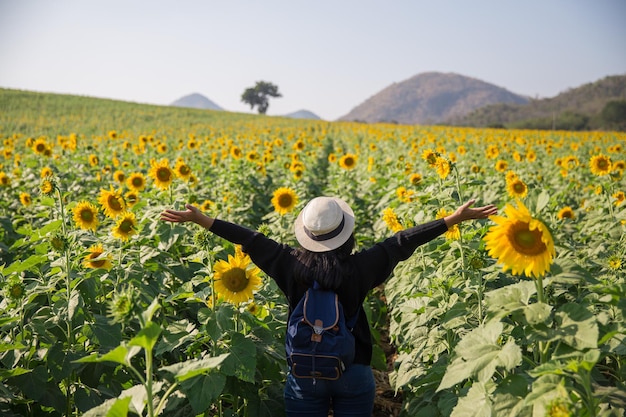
[{"x": 258, "y": 95}]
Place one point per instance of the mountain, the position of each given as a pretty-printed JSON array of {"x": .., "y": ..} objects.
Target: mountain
[
  {"x": 303, "y": 114},
  {"x": 196, "y": 101},
  {"x": 576, "y": 108},
  {"x": 430, "y": 98}
]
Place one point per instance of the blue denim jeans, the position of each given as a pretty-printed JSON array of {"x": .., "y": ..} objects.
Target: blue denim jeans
[{"x": 351, "y": 395}]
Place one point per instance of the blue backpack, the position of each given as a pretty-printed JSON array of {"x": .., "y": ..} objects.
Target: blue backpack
[{"x": 319, "y": 341}]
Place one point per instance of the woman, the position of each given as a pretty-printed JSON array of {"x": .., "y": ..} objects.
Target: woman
[{"x": 324, "y": 229}]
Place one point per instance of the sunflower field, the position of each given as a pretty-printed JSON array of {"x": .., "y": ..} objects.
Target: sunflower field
[{"x": 108, "y": 311}]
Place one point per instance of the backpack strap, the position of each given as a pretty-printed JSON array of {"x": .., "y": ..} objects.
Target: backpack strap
[
  {"x": 321, "y": 309},
  {"x": 331, "y": 307}
]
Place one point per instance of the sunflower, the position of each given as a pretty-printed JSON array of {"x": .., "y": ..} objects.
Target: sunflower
[
  {"x": 370, "y": 163},
  {"x": 192, "y": 144},
  {"x": 60, "y": 242},
  {"x": 235, "y": 152},
  {"x": 390, "y": 218},
  {"x": 236, "y": 279},
  {"x": 97, "y": 259},
  {"x": 125, "y": 227},
  {"x": 566, "y": 213},
  {"x": 182, "y": 170},
  {"x": 207, "y": 205},
  {"x": 493, "y": 151},
  {"x": 571, "y": 162},
  {"x": 520, "y": 242},
  {"x": 5, "y": 180},
  {"x": 47, "y": 186},
  {"x": 46, "y": 172},
  {"x": 260, "y": 311},
  {"x": 501, "y": 165},
  {"x": 40, "y": 146},
  {"x": 120, "y": 307},
  {"x": 429, "y": 156},
  {"x": 415, "y": 179},
  {"x": 162, "y": 174},
  {"x": 510, "y": 176},
  {"x": 86, "y": 215},
  {"x": 131, "y": 198},
  {"x": 453, "y": 233},
  {"x": 332, "y": 158},
  {"x": 298, "y": 174},
  {"x": 517, "y": 188},
  {"x": 619, "y": 197},
  {"x": 119, "y": 176},
  {"x": 93, "y": 160},
  {"x": 25, "y": 199},
  {"x": 558, "y": 408},
  {"x": 161, "y": 148},
  {"x": 442, "y": 167},
  {"x": 348, "y": 161},
  {"x": 253, "y": 156},
  {"x": 112, "y": 202},
  {"x": 15, "y": 288},
  {"x": 284, "y": 200},
  {"x": 401, "y": 192},
  {"x": 296, "y": 166},
  {"x": 136, "y": 181},
  {"x": 298, "y": 145},
  {"x": 614, "y": 262},
  {"x": 600, "y": 165}
]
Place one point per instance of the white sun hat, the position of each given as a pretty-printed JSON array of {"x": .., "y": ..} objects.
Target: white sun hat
[{"x": 324, "y": 224}]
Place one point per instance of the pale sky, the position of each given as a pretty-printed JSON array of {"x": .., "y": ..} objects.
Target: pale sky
[{"x": 325, "y": 56}]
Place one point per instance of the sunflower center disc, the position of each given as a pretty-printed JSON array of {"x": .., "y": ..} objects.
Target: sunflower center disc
[
  {"x": 235, "y": 280},
  {"x": 526, "y": 241}
]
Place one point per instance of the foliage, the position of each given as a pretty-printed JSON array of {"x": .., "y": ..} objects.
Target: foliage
[
  {"x": 147, "y": 334},
  {"x": 258, "y": 96},
  {"x": 614, "y": 114},
  {"x": 579, "y": 108}
]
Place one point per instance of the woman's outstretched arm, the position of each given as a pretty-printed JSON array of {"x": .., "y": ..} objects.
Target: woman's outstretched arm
[
  {"x": 192, "y": 214},
  {"x": 465, "y": 212}
]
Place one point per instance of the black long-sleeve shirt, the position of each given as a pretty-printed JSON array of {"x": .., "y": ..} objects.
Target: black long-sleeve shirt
[{"x": 372, "y": 267}]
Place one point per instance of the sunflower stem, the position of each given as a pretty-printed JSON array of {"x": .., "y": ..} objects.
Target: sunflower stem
[
  {"x": 150, "y": 402},
  {"x": 608, "y": 200},
  {"x": 458, "y": 184},
  {"x": 62, "y": 208},
  {"x": 541, "y": 299},
  {"x": 163, "y": 401},
  {"x": 480, "y": 298},
  {"x": 460, "y": 195},
  {"x": 68, "y": 294},
  {"x": 209, "y": 268}
]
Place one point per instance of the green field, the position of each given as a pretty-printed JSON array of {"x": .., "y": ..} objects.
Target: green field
[{"x": 107, "y": 311}]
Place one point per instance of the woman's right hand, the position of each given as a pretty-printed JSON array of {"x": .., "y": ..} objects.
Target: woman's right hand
[{"x": 192, "y": 214}]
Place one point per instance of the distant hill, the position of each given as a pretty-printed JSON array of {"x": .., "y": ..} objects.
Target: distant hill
[
  {"x": 196, "y": 101},
  {"x": 577, "y": 108},
  {"x": 430, "y": 98},
  {"x": 303, "y": 114}
]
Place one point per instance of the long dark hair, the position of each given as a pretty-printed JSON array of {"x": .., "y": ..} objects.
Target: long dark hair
[{"x": 329, "y": 269}]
